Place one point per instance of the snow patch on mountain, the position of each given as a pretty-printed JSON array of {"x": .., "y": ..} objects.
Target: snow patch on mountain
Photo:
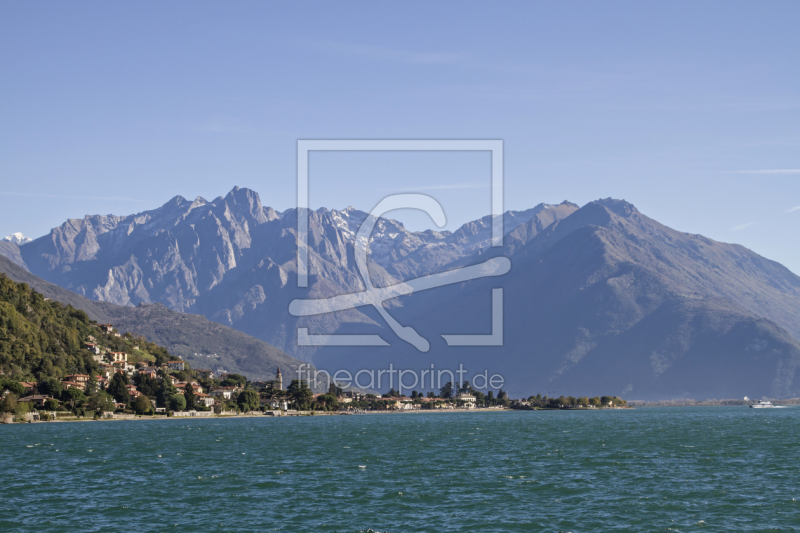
[{"x": 17, "y": 238}]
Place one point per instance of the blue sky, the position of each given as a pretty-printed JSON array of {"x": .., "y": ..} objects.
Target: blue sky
[{"x": 689, "y": 110}]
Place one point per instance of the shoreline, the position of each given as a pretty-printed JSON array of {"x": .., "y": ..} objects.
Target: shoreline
[
  {"x": 254, "y": 415},
  {"x": 302, "y": 414},
  {"x": 778, "y": 403},
  {"x": 324, "y": 413}
]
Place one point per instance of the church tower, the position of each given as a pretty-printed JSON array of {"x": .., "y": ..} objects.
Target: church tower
[{"x": 279, "y": 379}]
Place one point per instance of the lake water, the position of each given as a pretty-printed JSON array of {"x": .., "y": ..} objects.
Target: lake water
[{"x": 659, "y": 469}]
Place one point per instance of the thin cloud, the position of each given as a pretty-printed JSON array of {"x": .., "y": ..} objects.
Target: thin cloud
[
  {"x": 742, "y": 226},
  {"x": 35, "y": 195},
  {"x": 374, "y": 52},
  {"x": 570, "y": 78},
  {"x": 768, "y": 171},
  {"x": 432, "y": 58},
  {"x": 792, "y": 210}
]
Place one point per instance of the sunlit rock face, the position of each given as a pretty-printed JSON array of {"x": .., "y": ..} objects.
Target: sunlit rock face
[{"x": 599, "y": 295}]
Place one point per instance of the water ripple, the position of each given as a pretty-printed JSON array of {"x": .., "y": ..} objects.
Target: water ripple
[{"x": 666, "y": 469}]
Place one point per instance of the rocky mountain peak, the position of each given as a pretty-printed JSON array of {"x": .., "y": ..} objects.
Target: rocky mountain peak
[
  {"x": 246, "y": 202},
  {"x": 17, "y": 238},
  {"x": 176, "y": 201},
  {"x": 607, "y": 293},
  {"x": 618, "y": 207}
]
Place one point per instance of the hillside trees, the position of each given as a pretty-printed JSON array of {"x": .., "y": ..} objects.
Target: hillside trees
[
  {"x": 40, "y": 338},
  {"x": 248, "y": 400},
  {"x": 118, "y": 388},
  {"x": 299, "y": 393}
]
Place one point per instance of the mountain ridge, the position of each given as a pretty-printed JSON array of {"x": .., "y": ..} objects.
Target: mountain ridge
[
  {"x": 585, "y": 279},
  {"x": 584, "y": 314}
]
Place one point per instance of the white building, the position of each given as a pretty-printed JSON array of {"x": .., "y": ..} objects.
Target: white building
[
  {"x": 205, "y": 399},
  {"x": 225, "y": 394},
  {"x": 116, "y": 357},
  {"x": 278, "y": 404},
  {"x": 467, "y": 399}
]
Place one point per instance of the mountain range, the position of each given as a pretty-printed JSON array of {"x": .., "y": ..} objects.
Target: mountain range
[{"x": 600, "y": 299}]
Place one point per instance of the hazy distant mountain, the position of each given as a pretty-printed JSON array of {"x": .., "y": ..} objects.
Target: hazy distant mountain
[
  {"x": 609, "y": 300},
  {"x": 11, "y": 251},
  {"x": 600, "y": 299}
]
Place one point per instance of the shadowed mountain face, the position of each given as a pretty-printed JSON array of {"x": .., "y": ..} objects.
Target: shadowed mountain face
[
  {"x": 235, "y": 261},
  {"x": 609, "y": 300},
  {"x": 599, "y": 300}
]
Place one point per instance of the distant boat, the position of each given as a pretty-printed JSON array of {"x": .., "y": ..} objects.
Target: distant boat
[{"x": 763, "y": 404}]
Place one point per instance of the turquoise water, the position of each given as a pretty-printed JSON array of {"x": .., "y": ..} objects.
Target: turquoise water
[{"x": 661, "y": 469}]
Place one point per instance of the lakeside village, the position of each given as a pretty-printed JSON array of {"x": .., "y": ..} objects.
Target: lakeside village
[{"x": 128, "y": 385}]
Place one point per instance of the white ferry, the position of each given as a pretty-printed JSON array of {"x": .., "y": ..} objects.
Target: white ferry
[{"x": 763, "y": 404}]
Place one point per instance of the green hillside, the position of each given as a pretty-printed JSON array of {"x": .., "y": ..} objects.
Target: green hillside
[
  {"x": 40, "y": 338},
  {"x": 184, "y": 335}
]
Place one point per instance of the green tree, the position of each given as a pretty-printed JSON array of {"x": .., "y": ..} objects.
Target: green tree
[
  {"x": 334, "y": 389},
  {"x": 605, "y": 400},
  {"x": 329, "y": 401},
  {"x": 206, "y": 383},
  {"x": 183, "y": 375},
  {"x": 8, "y": 404},
  {"x": 234, "y": 380},
  {"x": 23, "y": 408},
  {"x": 74, "y": 397},
  {"x": 91, "y": 384},
  {"x": 248, "y": 400},
  {"x": 146, "y": 385},
  {"x": 13, "y": 386},
  {"x": 118, "y": 388},
  {"x": 143, "y": 405},
  {"x": 299, "y": 393},
  {"x": 188, "y": 393},
  {"x": 51, "y": 404},
  {"x": 39, "y": 337},
  {"x": 271, "y": 390},
  {"x": 102, "y": 401},
  {"x": 177, "y": 402},
  {"x": 50, "y": 386},
  {"x": 446, "y": 391},
  {"x": 166, "y": 390}
]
